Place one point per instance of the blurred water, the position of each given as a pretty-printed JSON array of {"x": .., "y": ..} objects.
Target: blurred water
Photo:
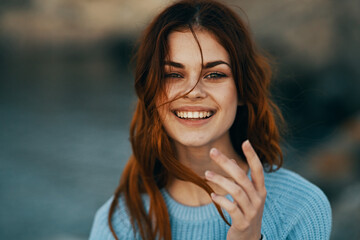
[{"x": 63, "y": 146}]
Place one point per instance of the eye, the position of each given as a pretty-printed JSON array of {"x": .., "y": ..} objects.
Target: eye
[
  {"x": 173, "y": 75},
  {"x": 215, "y": 75}
]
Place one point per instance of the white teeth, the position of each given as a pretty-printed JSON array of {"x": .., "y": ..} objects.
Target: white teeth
[{"x": 193, "y": 115}]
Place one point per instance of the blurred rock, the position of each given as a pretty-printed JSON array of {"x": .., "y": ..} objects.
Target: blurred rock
[
  {"x": 307, "y": 31},
  {"x": 346, "y": 213},
  {"x": 335, "y": 163},
  {"x": 64, "y": 21},
  {"x": 338, "y": 157},
  {"x": 296, "y": 30}
]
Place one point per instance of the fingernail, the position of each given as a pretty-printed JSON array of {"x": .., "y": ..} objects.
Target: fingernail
[
  {"x": 209, "y": 174},
  {"x": 247, "y": 143},
  {"x": 214, "y": 152},
  {"x": 213, "y": 195}
]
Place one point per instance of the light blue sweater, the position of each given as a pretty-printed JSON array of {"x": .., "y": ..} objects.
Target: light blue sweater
[{"x": 294, "y": 209}]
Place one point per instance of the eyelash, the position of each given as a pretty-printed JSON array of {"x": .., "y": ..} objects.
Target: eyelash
[
  {"x": 213, "y": 75},
  {"x": 173, "y": 75}
]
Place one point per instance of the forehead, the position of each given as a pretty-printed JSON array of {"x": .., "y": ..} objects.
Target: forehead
[{"x": 184, "y": 48}]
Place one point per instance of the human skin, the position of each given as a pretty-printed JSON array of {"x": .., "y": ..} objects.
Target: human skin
[
  {"x": 203, "y": 143},
  {"x": 215, "y": 92}
]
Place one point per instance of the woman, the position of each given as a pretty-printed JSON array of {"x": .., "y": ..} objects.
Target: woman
[{"x": 202, "y": 92}]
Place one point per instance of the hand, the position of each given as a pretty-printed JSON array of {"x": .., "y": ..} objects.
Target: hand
[{"x": 249, "y": 196}]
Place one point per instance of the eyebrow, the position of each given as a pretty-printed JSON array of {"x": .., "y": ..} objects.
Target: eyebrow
[{"x": 207, "y": 65}]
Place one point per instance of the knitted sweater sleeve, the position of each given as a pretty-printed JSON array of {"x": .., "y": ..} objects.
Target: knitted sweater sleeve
[
  {"x": 314, "y": 217},
  {"x": 306, "y": 211}
]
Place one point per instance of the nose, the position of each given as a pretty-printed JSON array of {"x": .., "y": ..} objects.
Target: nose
[{"x": 197, "y": 90}]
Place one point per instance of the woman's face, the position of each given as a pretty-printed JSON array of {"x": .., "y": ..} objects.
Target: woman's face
[{"x": 206, "y": 113}]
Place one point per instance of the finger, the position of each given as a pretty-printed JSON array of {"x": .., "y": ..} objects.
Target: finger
[
  {"x": 231, "y": 207},
  {"x": 234, "y": 171},
  {"x": 257, "y": 171},
  {"x": 238, "y": 194}
]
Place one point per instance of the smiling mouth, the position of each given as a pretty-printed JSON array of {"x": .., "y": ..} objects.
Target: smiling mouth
[{"x": 193, "y": 115}]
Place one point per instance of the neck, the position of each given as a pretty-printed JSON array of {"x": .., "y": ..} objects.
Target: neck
[{"x": 198, "y": 159}]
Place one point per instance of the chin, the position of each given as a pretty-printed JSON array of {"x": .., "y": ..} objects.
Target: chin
[{"x": 193, "y": 141}]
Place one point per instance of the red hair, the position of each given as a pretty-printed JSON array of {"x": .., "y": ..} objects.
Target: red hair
[{"x": 153, "y": 161}]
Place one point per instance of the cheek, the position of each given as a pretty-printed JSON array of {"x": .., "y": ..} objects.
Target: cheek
[
  {"x": 228, "y": 96},
  {"x": 173, "y": 90},
  {"x": 230, "y": 102}
]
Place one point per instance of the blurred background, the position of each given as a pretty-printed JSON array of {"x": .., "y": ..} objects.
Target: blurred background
[{"x": 66, "y": 100}]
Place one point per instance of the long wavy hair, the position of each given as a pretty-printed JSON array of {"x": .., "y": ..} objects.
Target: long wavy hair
[{"x": 153, "y": 161}]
